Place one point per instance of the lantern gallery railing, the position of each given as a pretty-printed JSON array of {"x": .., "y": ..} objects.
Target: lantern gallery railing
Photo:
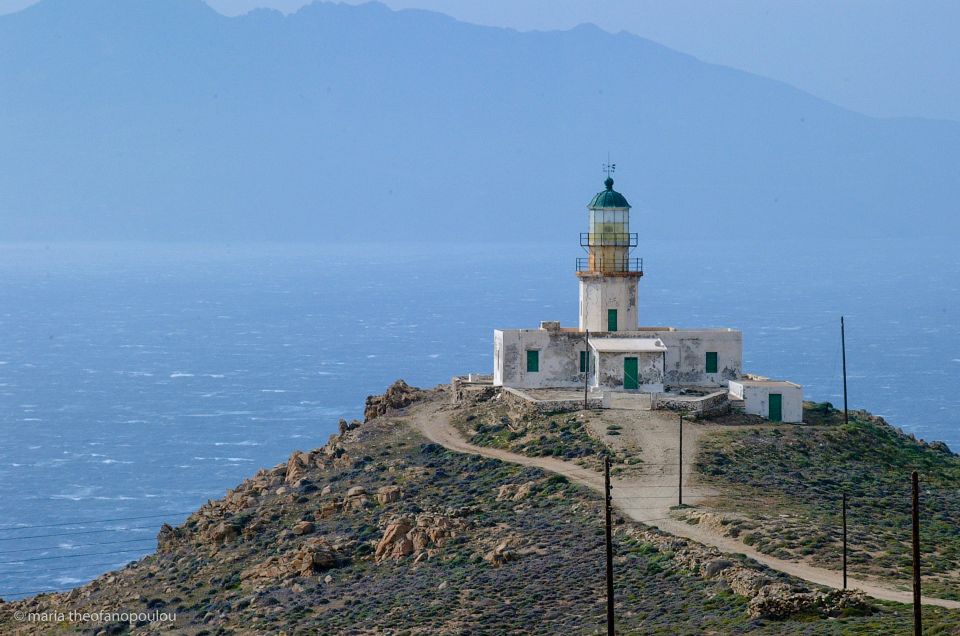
[
  {"x": 597, "y": 264},
  {"x": 608, "y": 239}
]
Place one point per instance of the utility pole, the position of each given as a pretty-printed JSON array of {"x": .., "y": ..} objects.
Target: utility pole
[
  {"x": 917, "y": 629},
  {"x": 606, "y": 485},
  {"x": 680, "y": 466},
  {"x": 843, "y": 346},
  {"x": 586, "y": 366},
  {"x": 844, "y": 540}
]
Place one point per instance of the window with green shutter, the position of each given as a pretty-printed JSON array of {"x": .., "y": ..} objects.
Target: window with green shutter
[
  {"x": 611, "y": 320},
  {"x": 533, "y": 361},
  {"x": 711, "y": 361},
  {"x": 584, "y": 362}
]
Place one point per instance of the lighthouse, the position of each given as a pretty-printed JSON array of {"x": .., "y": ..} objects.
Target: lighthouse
[
  {"x": 608, "y": 274},
  {"x": 619, "y": 357}
]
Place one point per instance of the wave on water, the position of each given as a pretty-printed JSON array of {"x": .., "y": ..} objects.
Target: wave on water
[{"x": 181, "y": 375}]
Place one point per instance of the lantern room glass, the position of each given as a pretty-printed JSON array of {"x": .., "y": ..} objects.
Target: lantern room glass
[{"x": 609, "y": 227}]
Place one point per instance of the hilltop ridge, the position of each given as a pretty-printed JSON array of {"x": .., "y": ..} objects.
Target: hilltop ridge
[{"x": 381, "y": 531}]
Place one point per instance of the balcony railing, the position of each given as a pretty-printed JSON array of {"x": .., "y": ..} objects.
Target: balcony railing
[
  {"x": 588, "y": 264},
  {"x": 608, "y": 239}
]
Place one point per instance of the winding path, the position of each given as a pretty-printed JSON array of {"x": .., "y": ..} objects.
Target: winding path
[{"x": 649, "y": 501}]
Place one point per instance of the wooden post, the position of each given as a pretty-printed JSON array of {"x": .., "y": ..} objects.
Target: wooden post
[
  {"x": 607, "y": 499},
  {"x": 917, "y": 628},
  {"x": 843, "y": 347},
  {"x": 844, "y": 540},
  {"x": 586, "y": 370},
  {"x": 680, "y": 466}
]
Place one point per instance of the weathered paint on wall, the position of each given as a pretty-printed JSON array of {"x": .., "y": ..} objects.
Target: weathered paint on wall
[
  {"x": 686, "y": 358},
  {"x": 610, "y": 370},
  {"x": 559, "y": 358},
  {"x": 598, "y": 294},
  {"x": 684, "y": 362}
]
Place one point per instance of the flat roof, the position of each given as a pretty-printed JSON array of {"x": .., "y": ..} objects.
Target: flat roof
[
  {"x": 627, "y": 344},
  {"x": 781, "y": 383}
]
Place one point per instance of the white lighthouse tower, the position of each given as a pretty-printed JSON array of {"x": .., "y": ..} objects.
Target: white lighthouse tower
[{"x": 609, "y": 275}]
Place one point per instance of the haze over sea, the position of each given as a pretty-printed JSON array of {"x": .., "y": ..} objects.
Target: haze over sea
[{"x": 137, "y": 380}]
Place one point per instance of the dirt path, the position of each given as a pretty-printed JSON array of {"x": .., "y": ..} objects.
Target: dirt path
[{"x": 648, "y": 499}]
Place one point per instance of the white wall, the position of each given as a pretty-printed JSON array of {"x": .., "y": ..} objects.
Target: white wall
[
  {"x": 600, "y": 293},
  {"x": 756, "y": 398},
  {"x": 559, "y": 358},
  {"x": 687, "y": 355}
]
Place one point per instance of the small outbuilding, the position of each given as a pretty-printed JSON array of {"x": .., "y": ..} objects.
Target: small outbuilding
[
  {"x": 776, "y": 400},
  {"x": 628, "y": 364}
]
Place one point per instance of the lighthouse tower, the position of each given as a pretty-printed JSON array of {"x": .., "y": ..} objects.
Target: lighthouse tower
[{"x": 608, "y": 275}]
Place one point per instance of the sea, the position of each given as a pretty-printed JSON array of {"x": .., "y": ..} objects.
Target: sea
[{"x": 137, "y": 381}]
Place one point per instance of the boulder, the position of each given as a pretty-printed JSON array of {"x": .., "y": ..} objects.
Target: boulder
[
  {"x": 302, "y": 528},
  {"x": 514, "y": 492},
  {"x": 388, "y": 494},
  {"x": 499, "y": 555}
]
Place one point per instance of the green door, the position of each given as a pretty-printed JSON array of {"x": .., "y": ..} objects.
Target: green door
[
  {"x": 533, "y": 361},
  {"x": 611, "y": 320},
  {"x": 776, "y": 407},
  {"x": 630, "y": 373}
]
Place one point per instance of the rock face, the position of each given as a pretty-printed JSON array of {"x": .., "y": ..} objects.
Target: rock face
[
  {"x": 399, "y": 395},
  {"x": 423, "y": 535}
]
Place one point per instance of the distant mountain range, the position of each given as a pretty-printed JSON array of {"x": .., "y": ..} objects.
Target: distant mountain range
[{"x": 162, "y": 119}]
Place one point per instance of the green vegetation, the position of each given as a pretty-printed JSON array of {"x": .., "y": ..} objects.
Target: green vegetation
[
  {"x": 561, "y": 435},
  {"x": 786, "y": 483}
]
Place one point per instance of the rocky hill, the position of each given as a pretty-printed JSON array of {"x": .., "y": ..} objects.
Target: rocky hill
[{"x": 381, "y": 531}]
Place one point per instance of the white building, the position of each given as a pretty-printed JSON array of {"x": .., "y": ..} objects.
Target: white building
[{"x": 609, "y": 350}]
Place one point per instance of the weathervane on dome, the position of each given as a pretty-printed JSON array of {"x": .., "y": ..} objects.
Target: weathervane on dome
[{"x": 608, "y": 167}]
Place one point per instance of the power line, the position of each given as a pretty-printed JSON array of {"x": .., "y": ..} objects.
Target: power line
[
  {"x": 69, "y": 556},
  {"x": 75, "y": 545},
  {"x": 72, "y": 534},
  {"x": 54, "y": 589},
  {"x": 72, "y": 523},
  {"x": 111, "y": 564}
]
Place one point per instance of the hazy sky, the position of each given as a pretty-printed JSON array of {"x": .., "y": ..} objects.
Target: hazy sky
[{"x": 879, "y": 57}]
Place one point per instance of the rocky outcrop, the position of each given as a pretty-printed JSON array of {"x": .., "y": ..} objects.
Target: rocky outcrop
[
  {"x": 398, "y": 396},
  {"x": 778, "y": 601},
  {"x": 768, "y": 598},
  {"x": 422, "y": 536},
  {"x": 515, "y": 492},
  {"x": 500, "y": 554},
  {"x": 310, "y": 558}
]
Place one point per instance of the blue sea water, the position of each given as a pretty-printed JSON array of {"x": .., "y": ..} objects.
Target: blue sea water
[{"x": 138, "y": 381}]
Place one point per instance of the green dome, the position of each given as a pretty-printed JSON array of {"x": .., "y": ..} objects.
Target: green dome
[{"x": 608, "y": 198}]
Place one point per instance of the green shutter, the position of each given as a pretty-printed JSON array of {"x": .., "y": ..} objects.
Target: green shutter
[
  {"x": 584, "y": 362},
  {"x": 533, "y": 361},
  {"x": 611, "y": 320},
  {"x": 711, "y": 361}
]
